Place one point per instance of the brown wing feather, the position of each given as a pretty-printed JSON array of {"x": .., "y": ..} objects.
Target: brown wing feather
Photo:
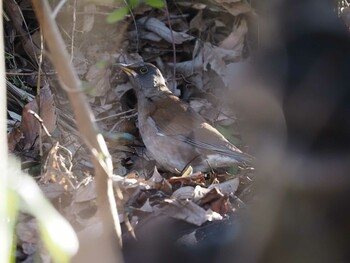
[
  {"x": 182, "y": 122},
  {"x": 188, "y": 126}
]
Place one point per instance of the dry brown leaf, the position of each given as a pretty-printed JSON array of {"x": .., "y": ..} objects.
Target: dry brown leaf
[
  {"x": 89, "y": 18},
  {"x": 209, "y": 56},
  {"x": 13, "y": 138},
  {"x": 30, "y": 45},
  {"x": 146, "y": 207},
  {"x": 227, "y": 188},
  {"x": 130, "y": 187},
  {"x": 58, "y": 167},
  {"x": 159, "y": 28},
  {"x": 192, "y": 177},
  {"x": 199, "y": 193},
  {"x": 235, "y": 7},
  {"x": 86, "y": 192},
  {"x": 184, "y": 210},
  {"x": 159, "y": 183},
  {"x": 30, "y": 125},
  {"x": 80, "y": 63},
  {"x": 144, "y": 35},
  {"x": 48, "y": 108},
  {"x": 183, "y": 193},
  {"x": 216, "y": 201},
  {"x": 197, "y": 22},
  {"x": 99, "y": 79},
  {"x": 235, "y": 41},
  {"x": 52, "y": 190}
]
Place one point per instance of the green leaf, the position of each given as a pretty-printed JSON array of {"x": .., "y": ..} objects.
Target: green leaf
[
  {"x": 155, "y": 3},
  {"x": 117, "y": 15}
]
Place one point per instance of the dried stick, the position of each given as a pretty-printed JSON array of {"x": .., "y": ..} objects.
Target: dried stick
[
  {"x": 110, "y": 243},
  {"x": 40, "y": 120}
]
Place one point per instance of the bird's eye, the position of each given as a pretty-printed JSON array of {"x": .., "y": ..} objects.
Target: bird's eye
[{"x": 143, "y": 70}]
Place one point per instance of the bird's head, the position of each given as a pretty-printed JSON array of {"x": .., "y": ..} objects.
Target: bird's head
[{"x": 145, "y": 77}]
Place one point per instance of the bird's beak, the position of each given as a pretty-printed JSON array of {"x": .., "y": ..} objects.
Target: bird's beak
[{"x": 126, "y": 69}]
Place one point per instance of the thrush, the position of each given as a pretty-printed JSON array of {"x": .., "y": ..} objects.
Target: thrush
[{"x": 174, "y": 134}]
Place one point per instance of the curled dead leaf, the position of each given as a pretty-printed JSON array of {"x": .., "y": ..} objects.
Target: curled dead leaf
[
  {"x": 235, "y": 40},
  {"x": 29, "y": 125},
  {"x": 216, "y": 201},
  {"x": 159, "y": 183},
  {"x": 159, "y": 28},
  {"x": 235, "y": 7},
  {"x": 227, "y": 188}
]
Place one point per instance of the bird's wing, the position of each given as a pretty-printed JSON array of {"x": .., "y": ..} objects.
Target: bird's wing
[{"x": 188, "y": 126}]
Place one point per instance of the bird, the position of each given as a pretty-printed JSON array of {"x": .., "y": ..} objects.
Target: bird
[{"x": 174, "y": 134}]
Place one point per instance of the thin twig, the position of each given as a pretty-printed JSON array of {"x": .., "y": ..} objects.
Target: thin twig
[
  {"x": 29, "y": 73},
  {"x": 40, "y": 120},
  {"x": 136, "y": 28},
  {"x": 58, "y": 8},
  {"x": 73, "y": 31},
  {"x": 29, "y": 35},
  {"x": 109, "y": 246},
  {"x": 116, "y": 115},
  {"x": 173, "y": 42},
  {"x": 38, "y": 84}
]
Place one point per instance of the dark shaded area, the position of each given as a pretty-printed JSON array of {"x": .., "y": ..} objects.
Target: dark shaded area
[
  {"x": 303, "y": 214},
  {"x": 159, "y": 241},
  {"x": 311, "y": 62}
]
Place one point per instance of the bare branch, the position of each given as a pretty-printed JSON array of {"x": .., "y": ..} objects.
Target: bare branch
[{"x": 111, "y": 239}]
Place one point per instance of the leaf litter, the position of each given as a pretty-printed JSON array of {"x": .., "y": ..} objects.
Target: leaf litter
[{"x": 210, "y": 41}]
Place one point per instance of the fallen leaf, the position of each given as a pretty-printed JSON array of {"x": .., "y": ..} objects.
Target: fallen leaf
[
  {"x": 193, "y": 177},
  {"x": 159, "y": 28},
  {"x": 209, "y": 56},
  {"x": 146, "y": 207},
  {"x": 99, "y": 79},
  {"x": 86, "y": 192},
  {"x": 89, "y": 17},
  {"x": 199, "y": 193},
  {"x": 197, "y": 22},
  {"x": 235, "y": 40},
  {"x": 227, "y": 188},
  {"x": 13, "y": 138},
  {"x": 235, "y": 7},
  {"x": 80, "y": 63},
  {"x": 185, "y": 210},
  {"x": 183, "y": 193},
  {"x": 30, "y": 125},
  {"x": 215, "y": 200},
  {"x": 159, "y": 183}
]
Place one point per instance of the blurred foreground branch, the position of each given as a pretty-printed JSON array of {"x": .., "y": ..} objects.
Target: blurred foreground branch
[{"x": 108, "y": 247}]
